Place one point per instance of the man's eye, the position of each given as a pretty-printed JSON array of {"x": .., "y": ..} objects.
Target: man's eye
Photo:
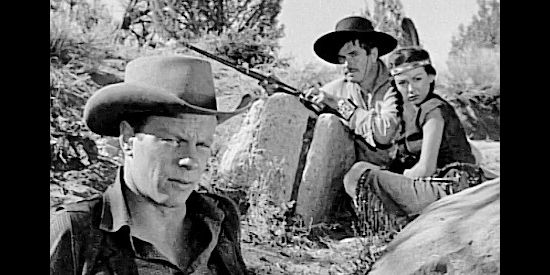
[
  {"x": 203, "y": 145},
  {"x": 170, "y": 141}
]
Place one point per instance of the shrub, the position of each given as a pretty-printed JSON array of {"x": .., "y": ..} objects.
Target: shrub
[
  {"x": 474, "y": 67},
  {"x": 79, "y": 41},
  {"x": 80, "y": 32}
]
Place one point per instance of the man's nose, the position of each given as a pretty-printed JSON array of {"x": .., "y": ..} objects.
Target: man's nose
[{"x": 189, "y": 163}]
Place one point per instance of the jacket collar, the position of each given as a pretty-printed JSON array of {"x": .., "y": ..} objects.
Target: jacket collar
[
  {"x": 202, "y": 210},
  {"x": 382, "y": 77},
  {"x": 115, "y": 212}
]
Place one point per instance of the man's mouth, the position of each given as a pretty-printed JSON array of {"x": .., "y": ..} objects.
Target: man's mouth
[{"x": 182, "y": 182}]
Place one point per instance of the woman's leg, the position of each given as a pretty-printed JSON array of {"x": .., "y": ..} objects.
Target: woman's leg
[
  {"x": 352, "y": 176},
  {"x": 399, "y": 194}
]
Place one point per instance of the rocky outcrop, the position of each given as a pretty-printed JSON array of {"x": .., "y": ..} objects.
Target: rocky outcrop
[
  {"x": 271, "y": 138},
  {"x": 478, "y": 110},
  {"x": 309, "y": 156},
  {"x": 459, "y": 234},
  {"x": 331, "y": 154}
]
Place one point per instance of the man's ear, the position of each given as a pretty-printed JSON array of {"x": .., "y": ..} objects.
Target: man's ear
[
  {"x": 126, "y": 138},
  {"x": 374, "y": 53},
  {"x": 431, "y": 78}
]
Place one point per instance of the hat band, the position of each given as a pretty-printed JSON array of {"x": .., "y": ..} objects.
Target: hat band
[{"x": 409, "y": 66}]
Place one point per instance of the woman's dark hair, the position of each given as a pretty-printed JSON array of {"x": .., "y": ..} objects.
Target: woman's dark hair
[{"x": 408, "y": 55}]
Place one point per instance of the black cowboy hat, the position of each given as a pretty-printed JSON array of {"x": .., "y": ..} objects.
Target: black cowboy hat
[
  {"x": 157, "y": 85},
  {"x": 328, "y": 45}
]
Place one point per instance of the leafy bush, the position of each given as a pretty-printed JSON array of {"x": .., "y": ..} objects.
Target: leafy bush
[
  {"x": 248, "y": 47},
  {"x": 474, "y": 67},
  {"x": 482, "y": 32},
  {"x": 80, "y": 32},
  {"x": 474, "y": 58}
]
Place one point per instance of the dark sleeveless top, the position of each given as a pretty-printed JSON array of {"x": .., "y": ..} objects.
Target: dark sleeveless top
[{"x": 454, "y": 145}]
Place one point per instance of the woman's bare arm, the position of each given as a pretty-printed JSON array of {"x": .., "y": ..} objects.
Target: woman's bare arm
[{"x": 432, "y": 135}]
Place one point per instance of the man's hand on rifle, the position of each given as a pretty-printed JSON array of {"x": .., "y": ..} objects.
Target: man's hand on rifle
[
  {"x": 320, "y": 97},
  {"x": 312, "y": 98}
]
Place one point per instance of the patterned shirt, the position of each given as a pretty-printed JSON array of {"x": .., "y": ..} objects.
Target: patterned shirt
[{"x": 378, "y": 115}]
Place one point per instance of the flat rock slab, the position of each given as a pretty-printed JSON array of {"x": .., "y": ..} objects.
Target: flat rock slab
[
  {"x": 459, "y": 234},
  {"x": 331, "y": 154},
  {"x": 298, "y": 155},
  {"x": 270, "y": 138}
]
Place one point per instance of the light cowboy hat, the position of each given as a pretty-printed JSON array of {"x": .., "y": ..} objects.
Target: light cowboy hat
[
  {"x": 157, "y": 85},
  {"x": 328, "y": 45}
]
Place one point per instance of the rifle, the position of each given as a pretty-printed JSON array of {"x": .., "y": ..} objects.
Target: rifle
[{"x": 283, "y": 87}]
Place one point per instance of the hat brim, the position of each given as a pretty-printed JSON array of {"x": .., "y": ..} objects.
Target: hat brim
[
  {"x": 328, "y": 45},
  {"x": 114, "y": 103}
]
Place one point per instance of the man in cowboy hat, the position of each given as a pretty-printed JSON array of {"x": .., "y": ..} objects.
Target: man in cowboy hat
[
  {"x": 152, "y": 219},
  {"x": 364, "y": 97}
]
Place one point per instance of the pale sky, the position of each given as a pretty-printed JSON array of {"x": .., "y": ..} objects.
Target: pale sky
[
  {"x": 436, "y": 22},
  {"x": 306, "y": 20}
]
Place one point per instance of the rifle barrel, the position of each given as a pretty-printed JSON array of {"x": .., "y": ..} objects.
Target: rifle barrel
[{"x": 258, "y": 76}]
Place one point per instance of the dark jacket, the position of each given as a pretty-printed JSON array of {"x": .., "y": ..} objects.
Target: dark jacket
[{"x": 93, "y": 237}]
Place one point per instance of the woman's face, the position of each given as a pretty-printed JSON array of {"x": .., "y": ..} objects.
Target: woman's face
[{"x": 414, "y": 85}]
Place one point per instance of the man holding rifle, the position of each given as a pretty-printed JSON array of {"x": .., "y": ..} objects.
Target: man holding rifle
[{"x": 364, "y": 97}]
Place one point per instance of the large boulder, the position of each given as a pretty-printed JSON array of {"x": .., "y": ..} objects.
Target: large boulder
[
  {"x": 273, "y": 136},
  {"x": 459, "y": 234},
  {"x": 331, "y": 154},
  {"x": 299, "y": 156},
  {"x": 477, "y": 109}
]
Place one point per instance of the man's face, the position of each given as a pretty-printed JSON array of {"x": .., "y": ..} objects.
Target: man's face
[
  {"x": 414, "y": 85},
  {"x": 166, "y": 159},
  {"x": 356, "y": 61}
]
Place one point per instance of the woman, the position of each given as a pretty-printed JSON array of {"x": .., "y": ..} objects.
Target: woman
[{"x": 432, "y": 138}]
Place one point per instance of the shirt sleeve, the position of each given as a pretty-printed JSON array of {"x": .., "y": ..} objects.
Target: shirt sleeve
[{"x": 380, "y": 124}]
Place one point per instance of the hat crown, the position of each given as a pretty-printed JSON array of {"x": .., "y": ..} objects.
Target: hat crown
[
  {"x": 187, "y": 78},
  {"x": 354, "y": 23}
]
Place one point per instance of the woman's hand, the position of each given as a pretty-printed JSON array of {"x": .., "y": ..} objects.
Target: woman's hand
[{"x": 416, "y": 172}]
